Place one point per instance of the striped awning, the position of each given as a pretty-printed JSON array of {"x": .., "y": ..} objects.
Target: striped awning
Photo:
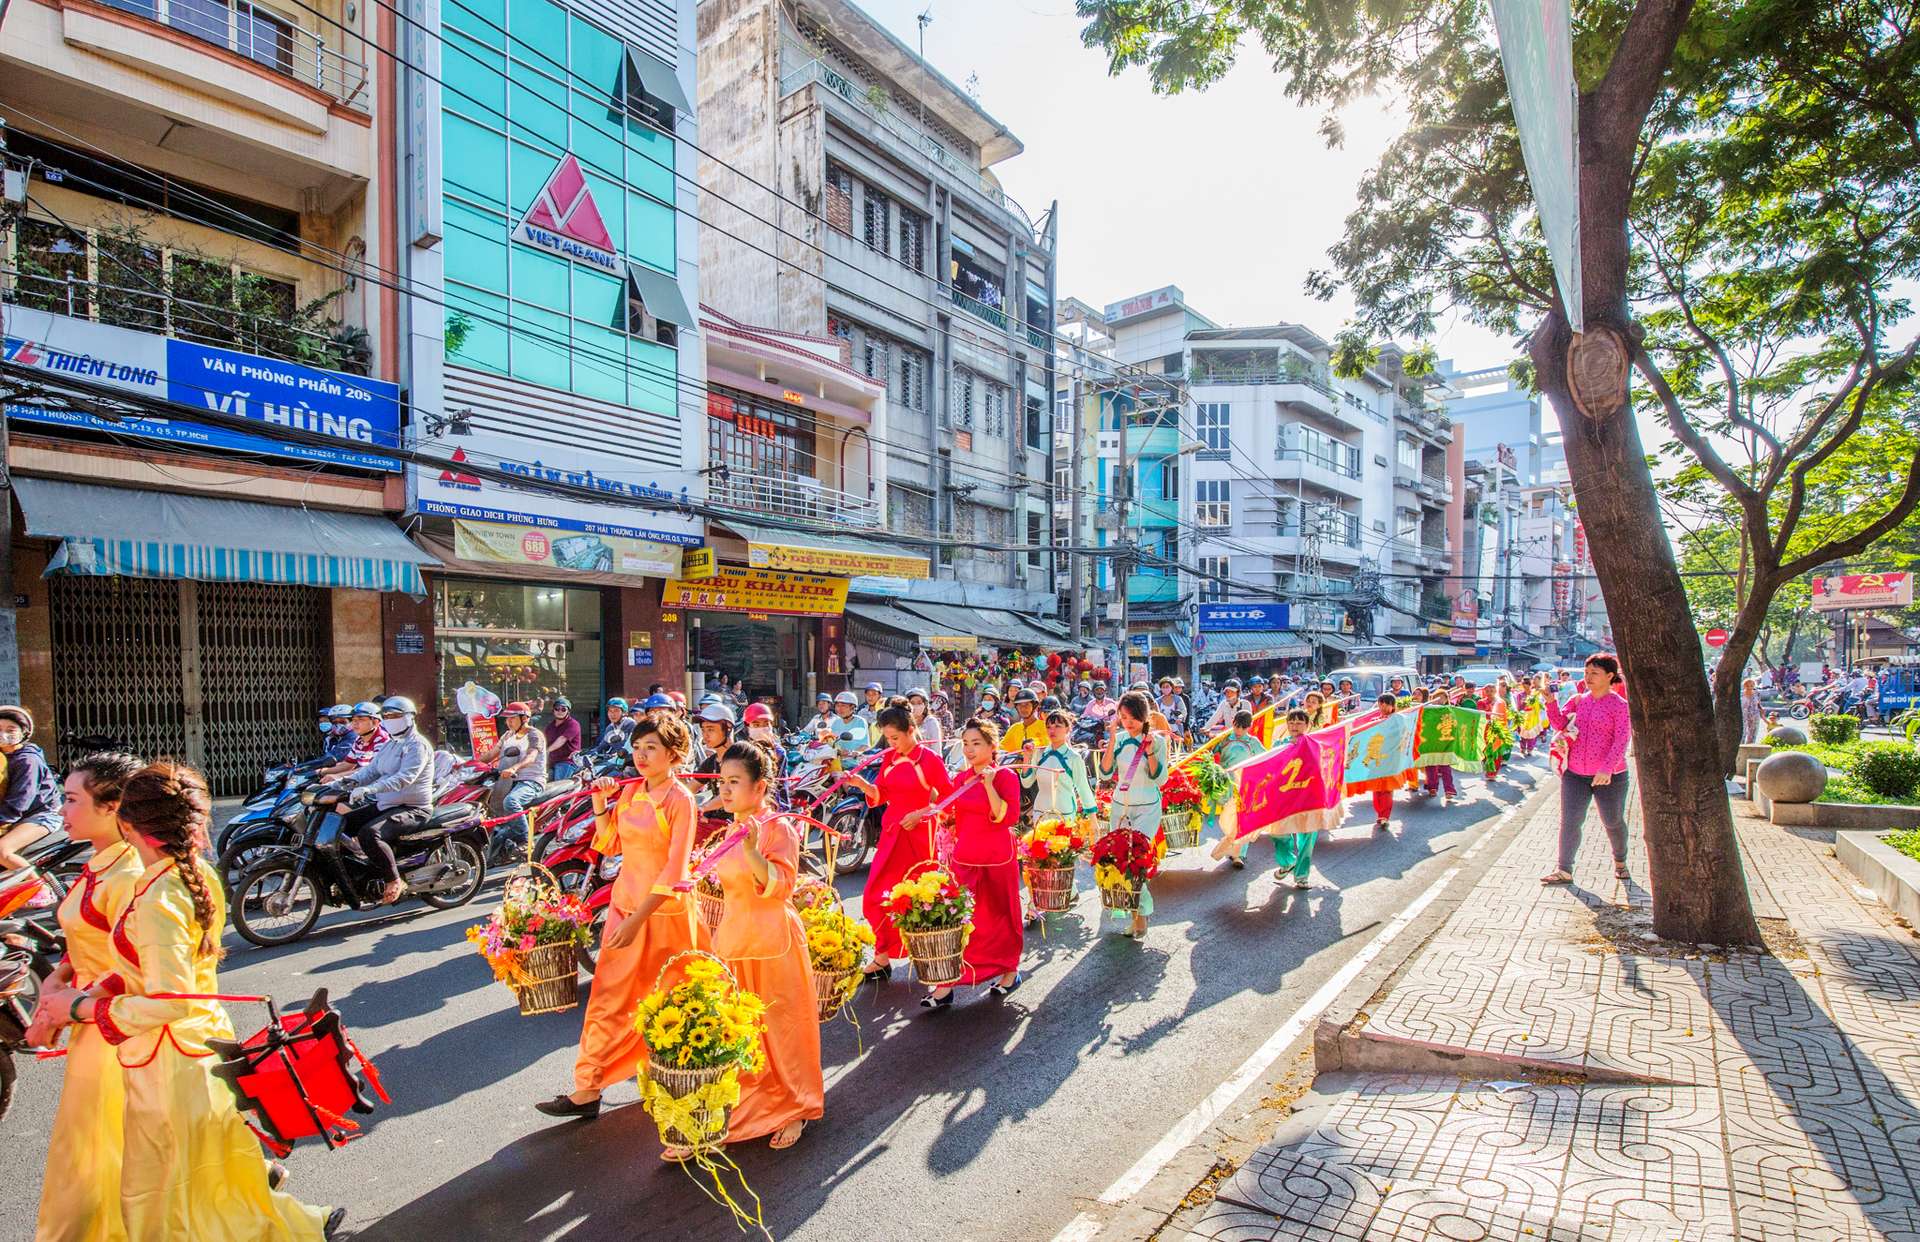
[{"x": 107, "y": 531}]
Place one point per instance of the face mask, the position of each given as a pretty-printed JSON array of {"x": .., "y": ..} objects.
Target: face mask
[
  {"x": 400, "y": 727},
  {"x": 326, "y": 727}
]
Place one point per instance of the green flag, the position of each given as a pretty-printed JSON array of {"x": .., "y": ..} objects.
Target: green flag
[{"x": 1449, "y": 736}]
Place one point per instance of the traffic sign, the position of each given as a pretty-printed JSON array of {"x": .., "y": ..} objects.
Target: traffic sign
[{"x": 1717, "y": 637}]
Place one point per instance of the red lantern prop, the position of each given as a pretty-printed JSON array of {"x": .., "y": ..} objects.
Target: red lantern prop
[{"x": 298, "y": 1076}]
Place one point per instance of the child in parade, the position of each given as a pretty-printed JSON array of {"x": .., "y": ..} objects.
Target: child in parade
[
  {"x": 1138, "y": 759},
  {"x": 1058, "y": 774},
  {"x": 985, "y": 863},
  {"x": 651, "y": 825},
  {"x": 1293, "y": 854},
  {"x": 1438, "y": 776},
  {"x": 764, "y": 944},
  {"x": 189, "y": 1166},
  {"x": 1240, "y": 746},
  {"x": 910, "y": 781},
  {"x": 80, "y": 1193},
  {"x": 1383, "y": 798}
]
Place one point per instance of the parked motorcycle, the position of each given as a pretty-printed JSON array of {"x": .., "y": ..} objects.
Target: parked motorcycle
[{"x": 279, "y": 898}]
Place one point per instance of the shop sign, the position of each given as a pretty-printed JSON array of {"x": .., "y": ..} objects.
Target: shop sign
[
  {"x": 263, "y": 391},
  {"x": 758, "y": 590},
  {"x": 950, "y": 642},
  {"x": 455, "y": 493},
  {"x": 564, "y": 220},
  {"x": 697, "y": 563},
  {"x": 409, "y": 639},
  {"x": 852, "y": 563},
  {"x": 639, "y": 657},
  {"x": 1223, "y": 617},
  {"x": 1466, "y": 616},
  {"x": 639, "y": 638},
  {"x": 496, "y": 543},
  {"x": 1862, "y": 591},
  {"x": 878, "y": 584}
]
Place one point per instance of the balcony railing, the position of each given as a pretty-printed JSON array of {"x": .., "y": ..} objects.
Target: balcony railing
[
  {"x": 1039, "y": 338},
  {"x": 792, "y": 496},
  {"x": 1436, "y": 485},
  {"x": 980, "y": 310},
  {"x": 264, "y": 38},
  {"x": 1346, "y": 469},
  {"x": 877, "y": 107}
]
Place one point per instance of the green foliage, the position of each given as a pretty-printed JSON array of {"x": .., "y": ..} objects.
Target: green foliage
[
  {"x": 1908, "y": 722},
  {"x": 1889, "y": 769},
  {"x": 459, "y": 327},
  {"x": 1353, "y": 353},
  {"x": 1907, "y": 841},
  {"x": 1834, "y": 729}
]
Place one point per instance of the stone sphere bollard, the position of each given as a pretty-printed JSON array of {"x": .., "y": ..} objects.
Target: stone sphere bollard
[
  {"x": 1787, "y": 735},
  {"x": 1791, "y": 776}
]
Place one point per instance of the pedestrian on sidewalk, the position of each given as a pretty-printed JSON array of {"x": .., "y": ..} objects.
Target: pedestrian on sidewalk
[
  {"x": 1597, "y": 727},
  {"x": 1752, "y": 718}
]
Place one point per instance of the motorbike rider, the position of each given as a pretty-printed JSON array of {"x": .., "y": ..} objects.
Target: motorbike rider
[
  {"x": 612, "y": 742},
  {"x": 1029, "y": 730},
  {"x": 336, "y": 731},
  {"x": 368, "y": 738},
  {"x": 1173, "y": 706},
  {"x": 822, "y": 715},
  {"x": 990, "y": 707},
  {"x": 392, "y": 793},
  {"x": 1100, "y": 707},
  {"x": 926, "y": 725},
  {"x": 563, "y": 740},
  {"x": 1082, "y": 695},
  {"x": 30, "y": 807},
  {"x": 876, "y": 698},
  {"x": 849, "y": 734},
  {"x": 716, "y": 734},
  {"x": 1229, "y": 707},
  {"x": 521, "y": 757}
]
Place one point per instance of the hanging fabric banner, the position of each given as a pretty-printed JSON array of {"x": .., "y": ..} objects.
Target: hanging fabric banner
[{"x": 1449, "y": 737}]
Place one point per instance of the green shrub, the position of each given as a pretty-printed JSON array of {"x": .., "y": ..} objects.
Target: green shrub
[
  {"x": 1834, "y": 730},
  {"x": 1890, "y": 769},
  {"x": 1907, "y": 841}
]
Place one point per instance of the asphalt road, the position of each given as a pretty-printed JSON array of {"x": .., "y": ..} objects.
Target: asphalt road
[{"x": 991, "y": 1120}]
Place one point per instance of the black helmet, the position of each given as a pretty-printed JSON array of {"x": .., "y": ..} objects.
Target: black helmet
[
  {"x": 1024, "y": 695},
  {"x": 1050, "y": 704}
]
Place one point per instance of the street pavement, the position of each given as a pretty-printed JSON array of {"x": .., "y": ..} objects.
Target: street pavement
[{"x": 992, "y": 1120}]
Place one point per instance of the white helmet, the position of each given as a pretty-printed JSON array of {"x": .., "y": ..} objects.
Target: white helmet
[{"x": 403, "y": 706}]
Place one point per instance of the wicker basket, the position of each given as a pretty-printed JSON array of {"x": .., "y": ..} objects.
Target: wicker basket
[
  {"x": 936, "y": 954},
  {"x": 710, "y": 901},
  {"x": 1182, "y": 828},
  {"x": 1051, "y": 887},
  {"x": 832, "y": 989},
  {"x": 553, "y": 979},
  {"x": 680, "y": 1083},
  {"x": 1120, "y": 897}
]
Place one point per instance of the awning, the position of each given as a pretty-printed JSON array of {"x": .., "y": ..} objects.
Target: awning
[
  {"x": 107, "y": 531},
  {"x": 661, "y": 295},
  {"x": 1182, "y": 645},
  {"x": 992, "y": 625},
  {"x": 1247, "y": 646},
  {"x": 658, "y": 80},
  {"x": 768, "y": 548},
  {"x": 1339, "y": 642},
  {"x": 924, "y": 633}
]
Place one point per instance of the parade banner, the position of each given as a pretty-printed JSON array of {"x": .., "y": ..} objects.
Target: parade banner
[
  {"x": 1449, "y": 737},
  {"x": 1379, "y": 754},
  {"x": 1293, "y": 789}
]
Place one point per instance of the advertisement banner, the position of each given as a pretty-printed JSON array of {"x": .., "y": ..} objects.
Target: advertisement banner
[
  {"x": 1220, "y": 618},
  {"x": 498, "y": 543},
  {"x": 758, "y": 590},
  {"x": 847, "y": 562},
  {"x": 275, "y": 395},
  {"x": 1862, "y": 591}
]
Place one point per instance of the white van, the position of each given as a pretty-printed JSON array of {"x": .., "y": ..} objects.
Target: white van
[
  {"x": 1479, "y": 675},
  {"x": 1370, "y": 681}
]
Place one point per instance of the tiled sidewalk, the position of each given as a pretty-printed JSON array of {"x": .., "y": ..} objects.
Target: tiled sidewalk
[{"x": 1718, "y": 1096}]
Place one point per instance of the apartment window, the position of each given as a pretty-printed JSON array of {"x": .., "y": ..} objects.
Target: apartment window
[
  {"x": 1036, "y": 422},
  {"x": 263, "y": 38},
  {"x": 878, "y": 215},
  {"x": 1169, "y": 478},
  {"x": 1212, "y": 503},
  {"x": 911, "y": 379},
  {"x": 874, "y": 359},
  {"x": 1407, "y": 453},
  {"x": 913, "y": 240},
  {"x": 1318, "y": 448},
  {"x": 1036, "y": 538},
  {"x": 961, "y": 400},
  {"x": 1213, "y": 420},
  {"x": 996, "y": 410},
  {"x": 1211, "y": 569},
  {"x": 50, "y": 264},
  {"x": 840, "y": 199}
]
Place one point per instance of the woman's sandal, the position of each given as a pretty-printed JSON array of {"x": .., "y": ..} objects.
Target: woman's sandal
[
  {"x": 1556, "y": 877},
  {"x": 676, "y": 1155},
  {"x": 798, "y": 1127}
]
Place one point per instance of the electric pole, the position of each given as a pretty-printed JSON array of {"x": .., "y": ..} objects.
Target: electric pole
[
  {"x": 1075, "y": 595},
  {"x": 1123, "y": 563},
  {"x": 12, "y": 204}
]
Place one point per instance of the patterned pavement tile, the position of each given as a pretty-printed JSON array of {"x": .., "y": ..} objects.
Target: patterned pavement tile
[
  {"x": 1504, "y": 1146},
  {"x": 1651, "y": 1018},
  {"x": 1370, "y": 1132},
  {"x": 1827, "y": 1159},
  {"x": 1647, "y": 1154},
  {"x": 1291, "y": 1188},
  {"x": 1230, "y": 1222},
  {"x": 1428, "y": 1215},
  {"x": 1543, "y": 1004}
]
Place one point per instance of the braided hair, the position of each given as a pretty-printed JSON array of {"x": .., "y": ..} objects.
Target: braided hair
[{"x": 168, "y": 804}]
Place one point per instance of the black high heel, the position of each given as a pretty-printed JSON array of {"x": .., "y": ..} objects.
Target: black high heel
[
  {"x": 877, "y": 974},
  {"x": 1003, "y": 990},
  {"x": 930, "y": 1001}
]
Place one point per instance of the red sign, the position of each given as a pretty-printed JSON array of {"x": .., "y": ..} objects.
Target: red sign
[
  {"x": 1717, "y": 637},
  {"x": 535, "y": 546},
  {"x": 719, "y": 405},
  {"x": 1862, "y": 591}
]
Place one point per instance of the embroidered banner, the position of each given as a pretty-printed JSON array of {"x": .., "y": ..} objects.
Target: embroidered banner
[
  {"x": 1449, "y": 737},
  {"x": 1380, "y": 754}
]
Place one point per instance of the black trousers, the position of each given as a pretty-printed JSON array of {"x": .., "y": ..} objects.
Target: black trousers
[{"x": 375, "y": 830}]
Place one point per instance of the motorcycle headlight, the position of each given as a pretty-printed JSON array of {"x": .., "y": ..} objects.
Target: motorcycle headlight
[{"x": 610, "y": 867}]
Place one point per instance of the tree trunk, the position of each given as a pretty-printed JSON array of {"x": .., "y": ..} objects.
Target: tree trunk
[
  {"x": 1728, "y": 676},
  {"x": 1699, "y": 891}
]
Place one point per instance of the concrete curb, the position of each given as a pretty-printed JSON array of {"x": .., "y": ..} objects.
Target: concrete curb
[{"x": 1893, "y": 877}]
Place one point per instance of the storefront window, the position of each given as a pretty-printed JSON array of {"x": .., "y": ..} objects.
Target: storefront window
[{"x": 518, "y": 641}]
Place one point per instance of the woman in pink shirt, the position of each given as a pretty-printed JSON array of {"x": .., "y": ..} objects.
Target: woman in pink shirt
[{"x": 1598, "y": 727}]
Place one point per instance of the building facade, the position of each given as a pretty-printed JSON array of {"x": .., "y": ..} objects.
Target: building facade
[{"x": 208, "y": 190}]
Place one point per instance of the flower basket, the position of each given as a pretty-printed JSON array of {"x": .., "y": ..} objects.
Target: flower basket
[
  {"x": 692, "y": 1107},
  {"x": 1182, "y": 827},
  {"x": 838, "y": 947},
  {"x": 832, "y": 989},
  {"x": 936, "y": 954},
  {"x": 552, "y": 980},
  {"x": 1051, "y": 888},
  {"x": 1122, "y": 897},
  {"x": 710, "y": 902}
]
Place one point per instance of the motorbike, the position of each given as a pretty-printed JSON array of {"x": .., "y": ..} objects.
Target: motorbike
[
  {"x": 1822, "y": 700},
  {"x": 30, "y": 947},
  {"x": 58, "y": 860},
  {"x": 815, "y": 789},
  {"x": 563, "y": 818},
  {"x": 279, "y": 898},
  {"x": 262, "y": 803}
]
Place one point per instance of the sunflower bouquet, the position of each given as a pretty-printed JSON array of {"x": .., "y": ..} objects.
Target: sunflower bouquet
[
  {"x": 531, "y": 943},
  {"x": 933, "y": 914},
  {"x": 839, "y": 947},
  {"x": 701, "y": 1035}
]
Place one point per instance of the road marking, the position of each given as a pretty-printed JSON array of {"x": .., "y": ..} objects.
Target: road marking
[{"x": 1086, "y": 1225}]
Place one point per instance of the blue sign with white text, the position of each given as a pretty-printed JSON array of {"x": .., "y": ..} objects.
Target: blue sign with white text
[
  {"x": 286, "y": 394},
  {"x": 1221, "y": 617}
]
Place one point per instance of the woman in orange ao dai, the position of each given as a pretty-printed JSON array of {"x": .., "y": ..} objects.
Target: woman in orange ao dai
[
  {"x": 80, "y": 1194},
  {"x": 764, "y": 944},
  {"x": 648, "y": 919}
]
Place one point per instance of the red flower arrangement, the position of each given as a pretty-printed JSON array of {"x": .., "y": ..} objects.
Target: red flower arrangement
[
  {"x": 1127, "y": 854},
  {"x": 1180, "y": 792}
]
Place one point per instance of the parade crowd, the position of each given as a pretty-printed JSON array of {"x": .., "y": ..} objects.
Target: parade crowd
[{"x": 148, "y": 1145}]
